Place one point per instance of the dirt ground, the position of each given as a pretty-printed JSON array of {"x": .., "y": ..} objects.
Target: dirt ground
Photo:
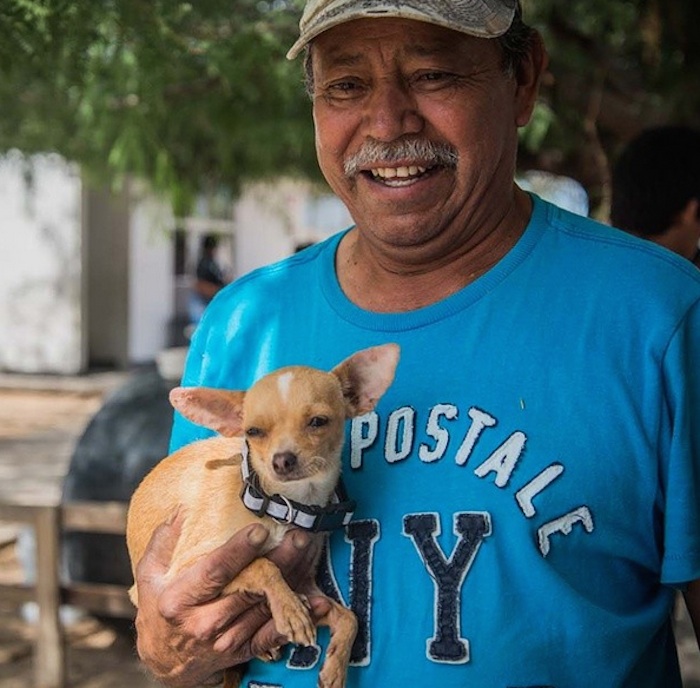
[{"x": 38, "y": 429}]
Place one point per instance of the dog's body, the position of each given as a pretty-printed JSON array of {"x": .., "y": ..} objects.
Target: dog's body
[{"x": 290, "y": 428}]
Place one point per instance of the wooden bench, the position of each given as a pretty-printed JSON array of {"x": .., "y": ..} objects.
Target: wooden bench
[{"x": 49, "y": 522}]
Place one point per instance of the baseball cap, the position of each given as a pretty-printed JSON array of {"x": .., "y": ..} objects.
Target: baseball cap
[{"x": 481, "y": 18}]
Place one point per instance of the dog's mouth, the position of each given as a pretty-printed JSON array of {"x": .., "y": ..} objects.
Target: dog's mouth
[
  {"x": 308, "y": 481},
  {"x": 288, "y": 466}
]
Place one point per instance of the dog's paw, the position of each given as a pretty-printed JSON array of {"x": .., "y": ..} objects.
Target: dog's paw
[
  {"x": 293, "y": 620},
  {"x": 331, "y": 676}
]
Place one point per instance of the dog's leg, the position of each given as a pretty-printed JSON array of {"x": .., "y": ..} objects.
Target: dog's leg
[
  {"x": 343, "y": 626},
  {"x": 289, "y": 610}
]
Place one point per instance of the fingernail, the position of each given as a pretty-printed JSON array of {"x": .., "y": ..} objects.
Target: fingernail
[
  {"x": 257, "y": 535},
  {"x": 300, "y": 540}
]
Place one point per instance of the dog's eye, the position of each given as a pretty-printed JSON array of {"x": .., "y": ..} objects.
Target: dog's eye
[
  {"x": 254, "y": 432},
  {"x": 318, "y": 421}
]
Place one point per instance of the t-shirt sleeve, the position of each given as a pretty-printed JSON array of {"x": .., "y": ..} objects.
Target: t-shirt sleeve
[
  {"x": 195, "y": 375},
  {"x": 681, "y": 366}
]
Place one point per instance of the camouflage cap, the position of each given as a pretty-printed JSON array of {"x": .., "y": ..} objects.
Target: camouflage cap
[{"x": 481, "y": 18}]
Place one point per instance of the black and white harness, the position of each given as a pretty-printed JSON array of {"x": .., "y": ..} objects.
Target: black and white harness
[{"x": 336, "y": 514}]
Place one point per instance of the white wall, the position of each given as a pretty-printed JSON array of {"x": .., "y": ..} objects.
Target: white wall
[
  {"x": 40, "y": 265},
  {"x": 151, "y": 278},
  {"x": 272, "y": 219}
]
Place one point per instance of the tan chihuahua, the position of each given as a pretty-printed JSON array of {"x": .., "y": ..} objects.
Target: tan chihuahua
[{"x": 276, "y": 461}]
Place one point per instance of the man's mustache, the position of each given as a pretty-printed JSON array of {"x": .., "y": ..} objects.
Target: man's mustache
[{"x": 421, "y": 152}]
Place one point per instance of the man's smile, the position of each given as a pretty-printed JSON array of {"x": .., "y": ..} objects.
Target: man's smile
[{"x": 398, "y": 176}]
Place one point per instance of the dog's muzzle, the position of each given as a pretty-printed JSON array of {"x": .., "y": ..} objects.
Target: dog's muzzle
[{"x": 336, "y": 514}]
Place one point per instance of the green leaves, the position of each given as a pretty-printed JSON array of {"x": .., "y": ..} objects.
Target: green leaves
[
  {"x": 196, "y": 96},
  {"x": 190, "y": 96},
  {"x": 617, "y": 66}
]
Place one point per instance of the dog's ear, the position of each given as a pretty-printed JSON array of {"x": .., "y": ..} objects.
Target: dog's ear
[
  {"x": 365, "y": 376},
  {"x": 218, "y": 409}
]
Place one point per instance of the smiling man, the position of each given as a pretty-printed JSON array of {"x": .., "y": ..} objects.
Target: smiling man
[{"x": 528, "y": 490}]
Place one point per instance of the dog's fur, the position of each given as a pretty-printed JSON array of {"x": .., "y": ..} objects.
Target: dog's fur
[{"x": 293, "y": 421}]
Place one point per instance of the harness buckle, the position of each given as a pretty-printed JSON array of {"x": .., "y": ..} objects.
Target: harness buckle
[{"x": 288, "y": 520}]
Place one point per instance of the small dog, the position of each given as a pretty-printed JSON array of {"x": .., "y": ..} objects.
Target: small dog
[{"x": 276, "y": 461}]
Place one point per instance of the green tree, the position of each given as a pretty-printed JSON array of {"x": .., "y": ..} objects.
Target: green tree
[
  {"x": 616, "y": 67},
  {"x": 198, "y": 95},
  {"x": 189, "y": 95}
]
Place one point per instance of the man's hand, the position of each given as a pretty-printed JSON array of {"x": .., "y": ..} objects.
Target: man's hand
[{"x": 187, "y": 632}]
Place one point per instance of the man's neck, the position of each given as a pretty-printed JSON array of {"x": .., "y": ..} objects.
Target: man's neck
[{"x": 393, "y": 281}]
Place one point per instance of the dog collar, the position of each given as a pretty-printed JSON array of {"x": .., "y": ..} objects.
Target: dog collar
[{"x": 336, "y": 514}]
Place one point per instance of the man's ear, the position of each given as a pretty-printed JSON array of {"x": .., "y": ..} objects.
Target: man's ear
[
  {"x": 690, "y": 215},
  {"x": 528, "y": 75},
  {"x": 218, "y": 409},
  {"x": 365, "y": 376}
]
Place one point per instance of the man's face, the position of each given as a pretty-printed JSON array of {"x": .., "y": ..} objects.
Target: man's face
[{"x": 392, "y": 81}]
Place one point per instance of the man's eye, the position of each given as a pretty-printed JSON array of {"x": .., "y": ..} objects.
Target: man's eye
[
  {"x": 254, "y": 432},
  {"x": 342, "y": 90},
  {"x": 318, "y": 421},
  {"x": 428, "y": 80}
]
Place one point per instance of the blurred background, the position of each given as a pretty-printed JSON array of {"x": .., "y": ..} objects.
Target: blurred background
[
  {"x": 144, "y": 144},
  {"x": 129, "y": 130}
]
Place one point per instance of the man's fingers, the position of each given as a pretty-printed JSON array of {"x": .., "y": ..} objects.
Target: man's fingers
[
  {"x": 189, "y": 609},
  {"x": 257, "y": 625},
  {"x": 210, "y": 620},
  {"x": 260, "y": 636},
  {"x": 206, "y": 578}
]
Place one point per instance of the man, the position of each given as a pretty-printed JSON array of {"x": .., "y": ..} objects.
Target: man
[
  {"x": 656, "y": 189},
  {"x": 209, "y": 278},
  {"x": 527, "y": 496}
]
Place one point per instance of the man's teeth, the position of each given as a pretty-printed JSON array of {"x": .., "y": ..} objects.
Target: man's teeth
[{"x": 400, "y": 172}]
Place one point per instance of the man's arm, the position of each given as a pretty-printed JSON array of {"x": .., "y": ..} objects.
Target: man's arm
[
  {"x": 692, "y": 602},
  {"x": 187, "y": 632}
]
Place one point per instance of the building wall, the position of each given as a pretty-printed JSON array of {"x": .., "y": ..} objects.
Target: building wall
[
  {"x": 271, "y": 220},
  {"x": 151, "y": 291},
  {"x": 41, "y": 319},
  {"x": 88, "y": 277}
]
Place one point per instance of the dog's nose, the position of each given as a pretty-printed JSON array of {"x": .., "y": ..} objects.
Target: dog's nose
[{"x": 284, "y": 462}]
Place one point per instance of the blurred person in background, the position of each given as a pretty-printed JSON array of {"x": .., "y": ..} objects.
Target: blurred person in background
[
  {"x": 656, "y": 189},
  {"x": 208, "y": 280}
]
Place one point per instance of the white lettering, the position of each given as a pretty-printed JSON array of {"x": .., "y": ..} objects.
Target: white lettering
[
  {"x": 480, "y": 420},
  {"x": 399, "y": 434},
  {"x": 503, "y": 461},
  {"x": 526, "y": 494},
  {"x": 437, "y": 432},
  {"x": 564, "y": 525},
  {"x": 363, "y": 433}
]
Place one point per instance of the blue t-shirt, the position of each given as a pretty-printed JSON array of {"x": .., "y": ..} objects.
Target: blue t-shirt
[{"x": 529, "y": 487}]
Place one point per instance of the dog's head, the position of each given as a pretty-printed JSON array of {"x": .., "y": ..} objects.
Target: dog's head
[{"x": 293, "y": 419}]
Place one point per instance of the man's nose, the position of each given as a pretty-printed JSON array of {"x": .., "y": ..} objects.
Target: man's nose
[{"x": 391, "y": 111}]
